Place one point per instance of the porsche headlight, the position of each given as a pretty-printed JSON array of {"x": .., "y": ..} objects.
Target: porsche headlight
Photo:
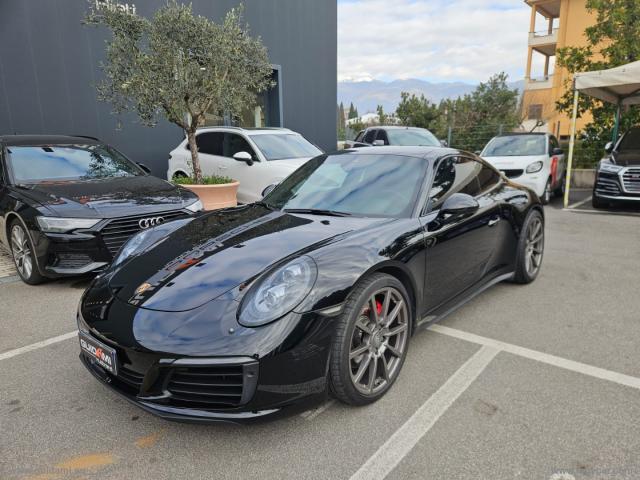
[
  {"x": 278, "y": 292},
  {"x": 132, "y": 246},
  {"x": 195, "y": 206},
  {"x": 535, "y": 167}
]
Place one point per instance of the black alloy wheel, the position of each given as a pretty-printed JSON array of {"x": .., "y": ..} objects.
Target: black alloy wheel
[
  {"x": 371, "y": 340},
  {"x": 23, "y": 254},
  {"x": 530, "y": 248}
]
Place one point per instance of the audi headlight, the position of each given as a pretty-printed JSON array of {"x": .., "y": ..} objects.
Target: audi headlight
[
  {"x": 278, "y": 293},
  {"x": 609, "y": 167},
  {"x": 195, "y": 206},
  {"x": 62, "y": 225},
  {"x": 535, "y": 167}
]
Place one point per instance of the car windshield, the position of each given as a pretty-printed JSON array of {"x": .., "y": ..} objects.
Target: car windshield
[
  {"x": 516, "y": 146},
  {"x": 279, "y": 147},
  {"x": 358, "y": 184},
  {"x": 631, "y": 141},
  {"x": 68, "y": 162},
  {"x": 411, "y": 137}
]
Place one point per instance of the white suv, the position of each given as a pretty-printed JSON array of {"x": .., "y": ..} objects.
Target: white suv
[
  {"x": 256, "y": 158},
  {"x": 534, "y": 160}
]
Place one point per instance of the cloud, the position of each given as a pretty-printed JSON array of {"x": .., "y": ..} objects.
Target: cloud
[{"x": 436, "y": 40}]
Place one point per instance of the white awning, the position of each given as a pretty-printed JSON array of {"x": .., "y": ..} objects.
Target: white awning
[{"x": 620, "y": 84}]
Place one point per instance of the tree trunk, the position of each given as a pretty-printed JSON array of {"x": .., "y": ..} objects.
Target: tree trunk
[{"x": 195, "y": 159}]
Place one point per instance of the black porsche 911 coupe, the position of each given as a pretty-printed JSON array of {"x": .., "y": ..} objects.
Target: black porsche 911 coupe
[{"x": 253, "y": 311}]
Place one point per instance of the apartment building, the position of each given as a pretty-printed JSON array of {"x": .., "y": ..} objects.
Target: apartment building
[{"x": 554, "y": 24}]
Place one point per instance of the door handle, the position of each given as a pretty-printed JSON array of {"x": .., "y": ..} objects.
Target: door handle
[{"x": 493, "y": 221}]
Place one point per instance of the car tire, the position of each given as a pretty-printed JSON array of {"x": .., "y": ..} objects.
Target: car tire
[
  {"x": 546, "y": 195},
  {"x": 369, "y": 348},
  {"x": 559, "y": 190},
  {"x": 530, "y": 248},
  {"x": 597, "y": 202},
  {"x": 23, "y": 255}
]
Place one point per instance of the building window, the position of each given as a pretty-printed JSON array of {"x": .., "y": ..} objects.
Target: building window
[
  {"x": 535, "y": 111},
  {"x": 266, "y": 112}
]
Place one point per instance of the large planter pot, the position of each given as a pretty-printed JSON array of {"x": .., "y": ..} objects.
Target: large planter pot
[{"x": 214, "y": 197}]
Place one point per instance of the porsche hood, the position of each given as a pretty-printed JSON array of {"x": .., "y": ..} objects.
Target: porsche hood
[{"x": 219, "y": 251}]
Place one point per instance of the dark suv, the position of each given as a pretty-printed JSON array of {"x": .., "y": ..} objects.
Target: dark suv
[
  {"x": 618, "y": 175},
  {"x": 67, "y": 204}
]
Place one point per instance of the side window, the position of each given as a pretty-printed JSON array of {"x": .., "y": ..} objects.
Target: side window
[
  {"x": 553, "y": 144},
  {"x": 359, "y": 136},
  {"x": 382, "y": 135},
  {"x": 488, "y": 178},
  {"x": 370, "y": 136},
  {"x": 234, "y": 143},
  {"x": 210, "y": 143},
  {"x": 459, "y": 175}
]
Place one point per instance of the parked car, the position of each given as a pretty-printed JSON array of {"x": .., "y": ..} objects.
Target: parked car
[
  {"x": 394, "y": 136},
  {"x": 256, "y": 158},
  {"x": 618, "y": 175},
  {"x": 261, "y": 309},
  {"x": 534, "y": 160},
  {"x": 67, "y": 204}
]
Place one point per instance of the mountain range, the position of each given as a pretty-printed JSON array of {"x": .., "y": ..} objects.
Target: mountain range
[{"x": 366, "y": 96}]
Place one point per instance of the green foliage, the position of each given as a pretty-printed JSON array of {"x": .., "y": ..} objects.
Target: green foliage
[
  {"x": 417, "y": 111},
  {"x": 382, "y": 117},
  {"x": 612, "y": 41},
  {"x": 474, "y": 118},
  {"x": 341, "y": 122},
  {"x": 180, "y": 66},
  {"x": 206, "y": 180},
  {"x": 353, "y": 112}
]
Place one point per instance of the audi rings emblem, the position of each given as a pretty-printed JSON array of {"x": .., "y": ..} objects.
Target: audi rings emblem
[{"x": 150, "y": 222}]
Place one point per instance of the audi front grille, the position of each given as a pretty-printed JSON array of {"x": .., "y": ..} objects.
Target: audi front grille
[
  {"x": 118, "y": 231},
  {"x": 631, "y": 180}
]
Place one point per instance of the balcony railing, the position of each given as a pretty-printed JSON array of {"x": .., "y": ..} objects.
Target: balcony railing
[
  {"x": 539, "y": 83},
  {"x": 543, "y": 37}
]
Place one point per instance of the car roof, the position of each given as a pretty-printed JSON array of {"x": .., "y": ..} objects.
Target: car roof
[
  {"x": 514, "y": 134},
  {"x": 397, "y": 127},
  {"x": 249, "y": 130},
  {"x": 430, "y": 153},
  {"x": 36, "y": 140}
]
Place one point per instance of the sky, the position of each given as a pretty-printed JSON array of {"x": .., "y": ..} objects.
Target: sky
[{"x": 433, "y": 40}]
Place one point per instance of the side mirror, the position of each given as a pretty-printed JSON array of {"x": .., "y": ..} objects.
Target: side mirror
[
  {"x": 558, "y": 151},
  {"x": 244, "y": 157},
  {"x": 478, "y": 152},
  {"x": 459, "y": 204},
  {"x": 378, "y": 143},
  {"x": 144, "y": 168},
  {"x": 444, "y": 143},
  {"x": 268, "y": 189},
  {"x": 609, "y": 147}
]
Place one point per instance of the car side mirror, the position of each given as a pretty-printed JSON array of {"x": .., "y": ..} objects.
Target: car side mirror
[
  {"x": 244, "y": 157},
  {"x": 144, "y": 168},
  {"x": 444, "y": 143},
  {"x": 558, "y": 151},
  {"x": 268, "y": 189},
  {"x": 459, "y": 204},
  {"x": 609, "y": 147},
  {"x": 378, "y": 143},
  {"x": 478, "y": 152}
]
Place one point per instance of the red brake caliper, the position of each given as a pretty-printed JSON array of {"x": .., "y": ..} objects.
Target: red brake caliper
[{"x": 378, "y": 307}]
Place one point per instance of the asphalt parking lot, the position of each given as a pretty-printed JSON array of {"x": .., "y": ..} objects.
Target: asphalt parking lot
[{"x": 533, "y": 382}]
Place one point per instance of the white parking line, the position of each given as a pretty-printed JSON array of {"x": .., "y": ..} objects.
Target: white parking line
[
  {"x": 581, "y": 202},
  {"x": 560, "y": 362},
  {"x": 391, "y": 453},
  {"x": 37, "y": 345}
]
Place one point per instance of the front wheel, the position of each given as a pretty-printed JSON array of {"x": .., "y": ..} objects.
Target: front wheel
[
  {"x": 546, "y": 195},
  {"x": 23, "y": 254},
  {"x": 371, "y": 340},
  {"x": 598, "y": 203},
  {"x": 530, "y": 248}
]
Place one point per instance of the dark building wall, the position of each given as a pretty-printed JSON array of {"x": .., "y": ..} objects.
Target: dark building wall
[{"x": 49, "y": 65}]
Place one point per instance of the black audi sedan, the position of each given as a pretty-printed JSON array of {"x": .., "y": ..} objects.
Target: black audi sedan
[
  {"x": 67, "y": 204},
  {"x": 267, "y": 308}
]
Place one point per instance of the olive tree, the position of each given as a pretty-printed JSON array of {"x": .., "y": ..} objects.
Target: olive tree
[{"x": 180, "y": 66}]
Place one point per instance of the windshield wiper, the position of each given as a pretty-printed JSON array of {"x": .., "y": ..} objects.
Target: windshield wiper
[{"x": 317, "y": 211}]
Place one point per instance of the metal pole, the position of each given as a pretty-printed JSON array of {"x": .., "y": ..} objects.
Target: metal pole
[
  {"x": 572, "y": 142},
  {"x": 616, "y": 127}
]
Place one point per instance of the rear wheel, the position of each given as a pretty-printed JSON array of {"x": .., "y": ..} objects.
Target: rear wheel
[
  {"x": 530, "y": 248},
  {"x": 559, "y": 190},
  {"x": 371, "y": 340},
  {"x": 23, "y": 254}
]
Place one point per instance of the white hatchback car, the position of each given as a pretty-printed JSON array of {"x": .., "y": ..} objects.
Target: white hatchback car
[
  {"x": 534, "y": 160},
  {"x": 256, "y": 158}
]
